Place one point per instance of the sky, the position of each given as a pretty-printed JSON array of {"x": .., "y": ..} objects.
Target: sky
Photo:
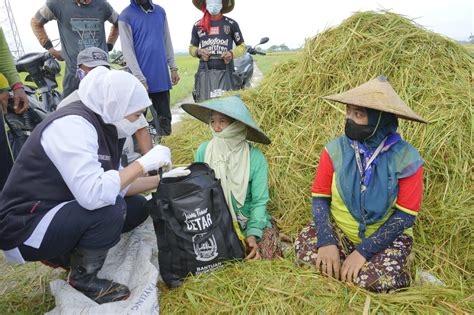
[{"x": 284, "y": 22}]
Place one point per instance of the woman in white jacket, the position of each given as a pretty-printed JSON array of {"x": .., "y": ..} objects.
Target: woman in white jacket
[{"x": 66, "y": 202}]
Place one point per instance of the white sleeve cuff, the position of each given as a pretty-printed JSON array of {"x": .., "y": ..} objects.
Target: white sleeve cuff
[{"x": 110, "y": 189}]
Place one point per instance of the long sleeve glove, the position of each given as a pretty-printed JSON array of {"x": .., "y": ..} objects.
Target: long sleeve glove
[
  {"x": 322, "y": 222},
  {"x": 158, "y": 157},
  {"x": 177, "y": 172},
  {"x": 398, "y": 222}
]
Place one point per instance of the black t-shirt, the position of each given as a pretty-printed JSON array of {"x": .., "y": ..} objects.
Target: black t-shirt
[{"x": 221, "y": 38}]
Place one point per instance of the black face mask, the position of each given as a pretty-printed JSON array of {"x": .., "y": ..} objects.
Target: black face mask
[{"x": 358, "y": 132}]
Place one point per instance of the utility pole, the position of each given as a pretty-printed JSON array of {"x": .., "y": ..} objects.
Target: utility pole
[{"x": 10, "y": 30}]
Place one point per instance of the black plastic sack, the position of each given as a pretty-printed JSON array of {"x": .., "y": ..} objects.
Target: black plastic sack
[
  {"x": 211, "y": 83},
  {"x": 193, "y": 225}
]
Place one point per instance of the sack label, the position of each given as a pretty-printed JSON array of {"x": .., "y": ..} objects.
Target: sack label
[
  {"x": 205, "y": 247},
  {"x": 209, "y": 268},
  {"x": 217, "y": 93},
  {"x": 199, "y": 220}
]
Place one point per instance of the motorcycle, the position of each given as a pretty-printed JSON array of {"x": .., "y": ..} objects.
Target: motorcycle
[
  {"x": 42, "y": 70},
  {"x": 243, "y": 66}
]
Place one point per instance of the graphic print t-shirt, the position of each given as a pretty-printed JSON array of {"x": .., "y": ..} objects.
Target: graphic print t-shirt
[
  {"x": 80, "y": 27},
  {"x": 221, "y": 38}
]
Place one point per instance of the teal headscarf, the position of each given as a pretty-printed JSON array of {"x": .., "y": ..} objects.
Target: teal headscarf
[{"x": 397, "y": 160}]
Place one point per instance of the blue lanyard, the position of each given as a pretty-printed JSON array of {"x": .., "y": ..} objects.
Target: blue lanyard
[{"x": 369, "y": 162}]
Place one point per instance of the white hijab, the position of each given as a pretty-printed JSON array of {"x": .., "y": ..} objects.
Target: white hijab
[{"x": 112, "y": 94}]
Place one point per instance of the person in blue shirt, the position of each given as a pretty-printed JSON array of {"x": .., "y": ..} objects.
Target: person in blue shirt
[{"x": 148, "y": 51}]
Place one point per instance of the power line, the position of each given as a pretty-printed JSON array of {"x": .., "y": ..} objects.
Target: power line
[{"x": 10, "y": 30}]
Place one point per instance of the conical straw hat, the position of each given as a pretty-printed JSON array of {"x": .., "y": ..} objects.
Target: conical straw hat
[
  {"x": 227, "y": 5},
  {"x": 377, "y": 94},
  {"x": 231, "y": 106}
]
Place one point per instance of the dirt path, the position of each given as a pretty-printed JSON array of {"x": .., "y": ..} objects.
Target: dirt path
[{"x": 178, "y": 113}]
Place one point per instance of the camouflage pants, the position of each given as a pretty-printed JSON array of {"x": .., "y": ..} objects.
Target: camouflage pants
[{"x": 384, "y": 272}]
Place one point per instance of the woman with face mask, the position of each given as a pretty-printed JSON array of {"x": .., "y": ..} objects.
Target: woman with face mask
[
  {"x": 366, "y": 194},
  {"x": 213, "y": 38},
  {"x": 241, "y": 168},
  {"x": 89, "y": 59},
  {"x": 66, "y": 201}
]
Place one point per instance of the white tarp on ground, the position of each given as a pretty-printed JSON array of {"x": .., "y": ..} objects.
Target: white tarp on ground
[{"x": 133, "y": 262}]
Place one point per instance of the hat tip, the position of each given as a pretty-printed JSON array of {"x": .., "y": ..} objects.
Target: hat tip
[{"x": 382, "y": 78}]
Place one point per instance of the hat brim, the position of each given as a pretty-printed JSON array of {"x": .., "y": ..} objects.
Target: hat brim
[
  {"x": 412, "y": 116},
  {"x": 377, "y": 94},
  {"x": 95, "y": 63},
  {"x": 227, "y": 5},
  {"x": 203, "y": 113}
]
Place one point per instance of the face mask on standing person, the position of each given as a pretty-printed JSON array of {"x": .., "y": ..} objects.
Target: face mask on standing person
[
  {"x": 214, "y": 7},
  {"x": 80, "y": 74}
]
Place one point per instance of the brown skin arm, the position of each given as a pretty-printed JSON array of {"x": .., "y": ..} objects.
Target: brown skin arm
[
  {"x": 129, "y": 174},
  {"x": 252, "y": 247},
  {"x": 144, "y": 140},
  {"x": 20, "y": 101},
  {"x": 328, "y": 261},
  {"x": 4, "y": 101},
  {"x": 42, "y": 36},
  {"x": 113, "y": 35},
  {"x": 351, "y": 266},
  {"x": 143, "y": 184},
  {"x": 39, "y": 31}
]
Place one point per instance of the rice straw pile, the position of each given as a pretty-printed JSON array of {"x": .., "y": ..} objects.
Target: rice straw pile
[{"x": 434, "y": 75}]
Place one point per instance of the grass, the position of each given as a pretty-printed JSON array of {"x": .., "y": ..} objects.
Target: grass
[
  {"x": 470, "y": 49},
  {"x": 30, "y": 282},
  {"x": 25, "y": 289},
  {"x": 268, "y": 62},
  {"x": 281, "y": 287},
  {"x": 434, "y": 75},
  {"x": 187, "y": 66}
]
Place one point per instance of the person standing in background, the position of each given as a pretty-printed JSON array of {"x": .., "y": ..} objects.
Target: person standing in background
[
  {"x": 212, "y": 41},
  {"x": 148, "y": 51},
  {"x": 81, "y": 25}
]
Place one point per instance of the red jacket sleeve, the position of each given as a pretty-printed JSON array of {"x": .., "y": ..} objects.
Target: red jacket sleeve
[
  {"x": 410, "y": 193},
  {"x": 323, "y": 179}
]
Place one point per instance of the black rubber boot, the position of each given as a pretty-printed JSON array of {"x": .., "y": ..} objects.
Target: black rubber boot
[{"x": 85, "y": 264}]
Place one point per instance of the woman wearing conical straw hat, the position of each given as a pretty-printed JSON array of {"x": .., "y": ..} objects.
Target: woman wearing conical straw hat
[
  {"x": 366, "y": 194},
  {"x": 242, "y": 169}
]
